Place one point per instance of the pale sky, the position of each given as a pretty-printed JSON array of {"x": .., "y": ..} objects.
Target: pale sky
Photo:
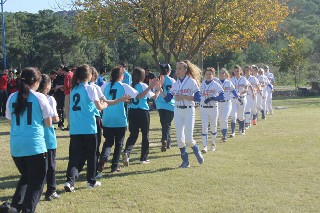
[{"x": 33, "y": 6}]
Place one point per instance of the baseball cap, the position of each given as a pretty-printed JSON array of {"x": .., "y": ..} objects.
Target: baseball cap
[
  {"x": 266, "y": 67},
  {"x": 165, "y": 66}
]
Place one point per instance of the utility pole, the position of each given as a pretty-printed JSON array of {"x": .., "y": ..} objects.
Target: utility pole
[{"x": 4, "y": 37}]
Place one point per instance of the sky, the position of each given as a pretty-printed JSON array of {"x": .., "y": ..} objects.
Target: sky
[{"x": 31, "y": 6}]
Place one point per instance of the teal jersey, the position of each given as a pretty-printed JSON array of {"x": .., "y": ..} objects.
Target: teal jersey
[
  {"x": 160, "y": 102},
  {"x": 115, "y": 116},
  {"x": 49, "y": 133},
  {"x": 127, "y": 79},
  {"x": 141, "y": 103},
  {"x": 83, "y": 109},
  {"x": 27, "y": 129}
]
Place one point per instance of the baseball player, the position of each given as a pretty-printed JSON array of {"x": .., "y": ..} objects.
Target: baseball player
[
  {"x": 225, "y": 105},
  {"x": 238, "y": 104},
  {"x": 264, "y": 83},
  {"x": 186, "y": 92},
  {"x": 269, "y": 89},
  {"x": 211, "y": 93},
  {"x": 259, "y": 95},
  {"x": 251, "y": 97}
]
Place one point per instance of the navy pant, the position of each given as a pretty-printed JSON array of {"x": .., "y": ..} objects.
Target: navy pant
[
  {"x": 51, "y": 172},
  {"x": 33, "y": 172},
  {"x": 166, "y": 117},
  {"x": 138, "y": 119},
  {"x": 82, "y": 147},
  {"x": 3, "y": 101}
]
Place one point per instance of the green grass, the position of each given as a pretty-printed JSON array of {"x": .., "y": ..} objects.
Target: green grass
[{"x": 273, "y": 168}]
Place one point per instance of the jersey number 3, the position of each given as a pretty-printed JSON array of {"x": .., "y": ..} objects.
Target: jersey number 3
[{"x": 76, "y": 100}]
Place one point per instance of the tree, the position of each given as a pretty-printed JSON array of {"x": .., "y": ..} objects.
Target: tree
[{"x": 183, "y": 27}]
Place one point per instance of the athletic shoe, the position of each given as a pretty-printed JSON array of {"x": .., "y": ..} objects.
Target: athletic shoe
[
  {"x": 224, "y": 139},
  {"x": 205, "y": 149},
  {"x": 99, "y": 175},
  {"x": 164, "y": 146},
  {"x": 198, "y": 154},
  {"x": 90, "y": 185},
  {"x": 247, "y": 125},
  {"x": 68, "y": 187},
  {"x": 125, "y": 159},
  {"x": 184, "y": 164},
  {"x": 213, "y": 148},
  {"x": 115, "y": 170},
  {"x": 53, "y": 196},
  {"x": 232, "y": 135},
  {"x": 243, "y": 132},
  {"x": 144, "y": 161}
]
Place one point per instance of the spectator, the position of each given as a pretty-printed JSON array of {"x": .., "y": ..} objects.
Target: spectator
[
  {"x": 59, "y": 96},
  {"x": 53, "y": 75},
  {"x": 68, "y": 74},
  {"x": 12, "y": 83},
  {"x": 3, "y": 92}
]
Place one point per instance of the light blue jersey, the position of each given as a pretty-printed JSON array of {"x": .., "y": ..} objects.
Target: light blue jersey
[
  {"x": 27, "y": 130},
  {"x": 49, "y": 133},
  {"x": 101, "y": 80},
  {"x": 160, "y": 102},
  {"x": 83, "y": 109},
  {"x": 127, "y": 79},
  {"x": 141, "y": 103},
  {"x": 115, "y": 116}
]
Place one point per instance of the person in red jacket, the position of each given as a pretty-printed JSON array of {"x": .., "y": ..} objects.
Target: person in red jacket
[
  {"x": 12, "y": 83},
  {"x": 3, "y": 92},
  {"x": 68, "y": 74}
]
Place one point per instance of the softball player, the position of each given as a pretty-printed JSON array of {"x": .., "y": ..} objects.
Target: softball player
[
  {"x": 259, "y": 95},
  {"x": 264, "y": 83},
  {"x": 28, "y": 111},
  {"x": 51, "y": 141},
  {"x": 269, "y": 89},
  {"x": 238, "y": 104},
  {"x": 139, "y": 117},
  {"x": 211, "y": 92},
  {"x": 251, "y": 97},
  {"x": 83, "y": 129},
  {"x": 225, "y": 105},
  {"x": 165, "y": 109},
  {"x": 185, "y": 91}
]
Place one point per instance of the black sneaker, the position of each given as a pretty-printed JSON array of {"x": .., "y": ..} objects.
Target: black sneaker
[
  {"x": 6, "y": 207},
  {"x": 53, "y": 196}
]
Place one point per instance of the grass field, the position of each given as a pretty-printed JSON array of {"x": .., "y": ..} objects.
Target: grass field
[{"x": 273, "y": 168}]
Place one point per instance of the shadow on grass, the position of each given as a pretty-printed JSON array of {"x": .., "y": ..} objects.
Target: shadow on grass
[
  {"x": 4, "y": 133},
  {"x": 124, "y": 174}
]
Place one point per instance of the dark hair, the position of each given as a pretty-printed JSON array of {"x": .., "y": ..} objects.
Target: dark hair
[
  {"x": 45, "y": 80},
  {"x": 103, "y": 70},
  {"x": 123, "y": 64},
  {"x": 115, "y": 76},
  {"x": 165, "y": 69},
  {"x": 53, "y": 73},
  {"x": 138, "y": 75},
  {"x": 95, "y": 73},
  {"x": 65, "y": 69},
  {"x": 29, "y": 76},
  {"x": 80, "y": 75}
]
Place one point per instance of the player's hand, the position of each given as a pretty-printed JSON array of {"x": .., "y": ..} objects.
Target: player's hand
[
  {"x": 161, "y": 80},
  {"x": 152, "y": 82},
  {"x": 208, "y": 100},
  {"x": 240, "y": 101}
]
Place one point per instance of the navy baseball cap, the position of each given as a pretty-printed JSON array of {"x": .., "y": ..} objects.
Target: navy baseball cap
[{"x": 165, "y": 66}]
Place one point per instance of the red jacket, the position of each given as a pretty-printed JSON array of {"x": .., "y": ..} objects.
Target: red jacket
[
  {"x": 3, "y": 82},
  {"x": 12, "y": 86},
  {"x": 67, "y": 83}
]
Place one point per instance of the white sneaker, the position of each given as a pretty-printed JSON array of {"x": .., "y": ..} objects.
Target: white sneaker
[
  {"x": 205, "y": 149},
  {"x": 97, "y": 184},
  {"x": 125, "y": 159},
  {"x": 232, "y": 135},
  {"x": 68, "y": 187},
  {"x": 145, "y": 162},
  {"x": 213, "y": 148},
  {"x": 99, "y": 175}
]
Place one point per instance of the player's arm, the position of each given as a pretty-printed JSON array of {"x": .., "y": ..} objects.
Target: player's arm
[{"x": 152, "y": 83}]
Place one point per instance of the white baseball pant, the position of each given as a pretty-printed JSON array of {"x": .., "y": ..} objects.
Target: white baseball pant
[
  {"x": 184, "y": 120},
  {"x": 209, "y": 115}
]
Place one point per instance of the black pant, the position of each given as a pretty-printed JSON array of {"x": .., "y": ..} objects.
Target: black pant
[
  {"x": 60, "y": 105},
  {"x": 3, "y": 101},
  {"x": 51, "y": 172},
  {"x": 33, "y": 172},
  {"x": 138, "y": 119},
  {"x": 166, "y": 117},
  {"x": 113, "y": 136},
  {"x": 82, "y": 147}
]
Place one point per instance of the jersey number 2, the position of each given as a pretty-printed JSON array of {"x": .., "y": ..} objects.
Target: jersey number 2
[{"x": 76, "y": 100}]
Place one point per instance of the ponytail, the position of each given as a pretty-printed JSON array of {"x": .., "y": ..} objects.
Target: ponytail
[
  {"x": 29, "y": 76},
  {"x": 81, "y": 74},
  {"x": 138, "y": 75},
  {"x": 115, "y": 76}
]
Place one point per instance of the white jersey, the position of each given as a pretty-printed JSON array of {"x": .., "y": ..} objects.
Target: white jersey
[
  {"x": 210, "y": 90},
  {"x": 240, "y": 84},
  {"x": 187, "y": 87},
  {"x": 254, "y": 83},
  {"x": 227, "y": 87},
  {"x": 99, "y": 91},
  {"x": 270, "y": 76}
]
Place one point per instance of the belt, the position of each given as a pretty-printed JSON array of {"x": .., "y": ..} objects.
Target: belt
[
  {"x": 207, "y": 106},
  {"x": 239, "y": 97},
  {"x": 184, "y": 107},
  {"x": 224, "y": 101}
]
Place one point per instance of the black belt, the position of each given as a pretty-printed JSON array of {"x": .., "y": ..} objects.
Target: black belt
[
  {"x": 184, "y": 107},
  {"x": 224, "y": 101},
  {"x": 239, "y": 97},
  {"x": 207, "y": 106}
]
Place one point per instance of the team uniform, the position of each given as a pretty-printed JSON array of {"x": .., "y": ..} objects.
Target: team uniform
[
  {"x": 251, "y": 100},
  {"x": 269, "y": 92},
  {"x": 114, "y": 123},
  {"x": 83, "y": 133},
  {"x": 225, "y": 105},
  {"x": 264, "y": 81},
  {"x": 28, "y": 148},
  {"x": 184, "y": 117},
  {"x": 165, "y": 110},
  {"x": 139, "y": 118},
  {"x": 209, "y": 111},
  {"x": 51, "y": 144},
  {"x": 101, "y": 80},
  {"x": 238, "y": 107}
]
